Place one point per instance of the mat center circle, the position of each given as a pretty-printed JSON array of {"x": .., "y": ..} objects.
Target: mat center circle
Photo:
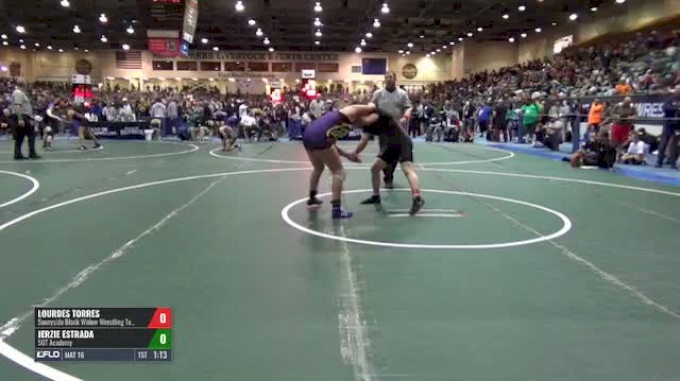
[{"x": 566, "y": 223}]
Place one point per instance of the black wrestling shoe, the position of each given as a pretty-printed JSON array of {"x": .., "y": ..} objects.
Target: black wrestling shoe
[
  {"x": 19, "y": 157},
  {"x": 373, "y": 200},
  {"x": 389, "y": 185},
  {"x": 35, "y": 157},
  {"x": 314, "y": 203},
  {"x": 417, "y": 204}
]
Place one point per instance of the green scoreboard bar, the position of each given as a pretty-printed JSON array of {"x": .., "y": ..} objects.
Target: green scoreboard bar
[{"x": 103, "y": 334}]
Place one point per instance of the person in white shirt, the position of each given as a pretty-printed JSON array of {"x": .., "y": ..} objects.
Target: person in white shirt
[
  {"x": 160, "y": 112},
  {"x": 248, "y": 125},
  {"x": 242, "y": 110},
  {"x": 316, "y": 108},
  {"x": 636, "y": 151}
]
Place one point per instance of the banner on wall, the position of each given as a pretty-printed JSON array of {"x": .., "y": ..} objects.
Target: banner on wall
[
  {"x": 165, "y": 46},
  {"x": 190, "y": 21},
  {"x": 648, "y": 107},
  {"x": 119, "y": 130}
]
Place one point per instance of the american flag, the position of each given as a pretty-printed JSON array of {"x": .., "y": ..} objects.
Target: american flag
[{"x": 128, "y": 60}]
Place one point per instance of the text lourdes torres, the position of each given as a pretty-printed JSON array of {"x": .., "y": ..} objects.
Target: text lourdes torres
[{"x": 76, "y": 318}]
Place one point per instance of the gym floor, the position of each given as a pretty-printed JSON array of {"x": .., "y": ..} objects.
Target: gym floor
[{"x": 518, "y": 268}]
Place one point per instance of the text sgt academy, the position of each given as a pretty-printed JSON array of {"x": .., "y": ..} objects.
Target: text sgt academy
[{"x": 257, "y": 56}]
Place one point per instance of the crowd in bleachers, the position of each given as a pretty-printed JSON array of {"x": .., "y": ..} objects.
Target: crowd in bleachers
[{"x": 536, "y": 102}]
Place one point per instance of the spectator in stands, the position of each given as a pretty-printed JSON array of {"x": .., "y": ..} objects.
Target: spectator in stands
[
  {"x": 635, "y": 154},
  {"x": 595, "y": 116},
  {"x": 623, "y": 115},
  {"x": 531, "y": 112},
  {"x": 671, "y": 126},
  {"x": 160, "y": 112}
]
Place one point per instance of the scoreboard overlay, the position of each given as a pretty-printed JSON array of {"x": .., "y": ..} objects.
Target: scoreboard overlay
[{"x": 103, "y": 334}]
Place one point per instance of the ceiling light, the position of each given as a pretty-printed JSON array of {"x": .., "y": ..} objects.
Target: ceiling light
[
  {"x": 103, "y": 19},
  {"x": 204, "y": 40},
  {"x": 480, "y": 29},
  {"x": 573, "y": 17},
  {"x": 538, "y": 30},
  {"x": 317, "y": 42},
  {"x": 357, "y": 50},
  {"x": 5, "y": 43},
  {"x": 104, "y": 39},
  {"x": 369, "y": 35},
  {"x": 65, "y": 3},
  {"x": 87, "y": 51},
  {"x": 427, "y": 55},
  {"x": 126, "y": 47},
  {"x": 317, "y": 7},
  {"x": 21, "y": 29},
  {"x": 410, "y": 44},
  {"x": 506, "y": 16},
  {"x": 239, "y": 6},
  {"x": 61, "y": 50},
  {"x": 76, "y": 29},
  {"x": 317, "y": 22},
  {"x": 452, "y": 43},
  {"x": 266, "y": 41},
  {"x": 408, "y": 53},
  {"x": 37, "y": 44},
  {"x": 3, "y": 68},
  {"x": 23, "y": 46},
  {"x": 432, "y": 53},
  {"x": 620, "y": 1},
  {"x": 76, "y": 48},
  {"x": 460, "y": 38},
  {"x": 363, "y": 42},
  {"x": 400, "y": 51},
  {"x": 21, "y": 41},
  {"x": 385, "y": 9},
  {"x": 593, "y": 9},
  {"x": 258, "y": 33},
  {"x": 161, "y": 79},
  {"x": 271, "y": 49},
  {"x": 194, "y": 79},
  {"x": 554, "y": 24},
  {"x": 216, "y": 48},
  {"x": 4, "y": 36},
  {"x": 444, "y": 46},
  {"x": 511, "y": 39},
  {"x": 523, "y": 35},
  {"x": 318, "y": 33},
  {"x": 469, "y": 34},
  {"x": 422, "y": 36},
  {"x": 130, "y": 30},
  {"x": 252, "y": 22},
  {"x": 49, "y": 47},
  {"x": 522, "y": 8},
  {"x": 376, "y": 23}
]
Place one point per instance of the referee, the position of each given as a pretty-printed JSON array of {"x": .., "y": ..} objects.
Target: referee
[
  {"x": 396, "y": 103},
  {"x": 21, "y": 122}
]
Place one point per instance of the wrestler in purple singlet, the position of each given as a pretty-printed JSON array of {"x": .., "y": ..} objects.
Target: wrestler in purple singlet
[{"x": 315, "y": 135}]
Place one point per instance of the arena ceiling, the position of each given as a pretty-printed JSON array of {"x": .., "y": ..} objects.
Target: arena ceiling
[{"x": 289, "y": 24}]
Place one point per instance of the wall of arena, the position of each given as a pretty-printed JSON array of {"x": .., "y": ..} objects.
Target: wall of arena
[
  {"x": 251, "y": 71},
  {"x": 226, "y": 69}
]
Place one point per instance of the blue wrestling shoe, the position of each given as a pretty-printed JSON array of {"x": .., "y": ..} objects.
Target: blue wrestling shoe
[{"x": 339, "y": 213}]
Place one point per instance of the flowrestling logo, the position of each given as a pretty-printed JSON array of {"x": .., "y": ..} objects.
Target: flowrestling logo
[{"x": 47, "y": 355}]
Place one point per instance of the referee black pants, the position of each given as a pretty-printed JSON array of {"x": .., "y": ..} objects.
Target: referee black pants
[{"x": 20, "y": 133}]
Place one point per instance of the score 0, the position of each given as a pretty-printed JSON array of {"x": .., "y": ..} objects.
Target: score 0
[{"x": 162, "y": 318}]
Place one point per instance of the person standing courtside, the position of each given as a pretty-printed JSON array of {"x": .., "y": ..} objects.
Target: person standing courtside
[
  {"x": 21, "y": 122},
  {"x": 396, "y": 103}
]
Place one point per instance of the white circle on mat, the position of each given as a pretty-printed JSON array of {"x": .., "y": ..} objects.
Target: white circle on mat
[
  {"x": 566, "y": 225},
  {"x": 509, "y": 155},
  {"x": 29, "y": 192}
]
